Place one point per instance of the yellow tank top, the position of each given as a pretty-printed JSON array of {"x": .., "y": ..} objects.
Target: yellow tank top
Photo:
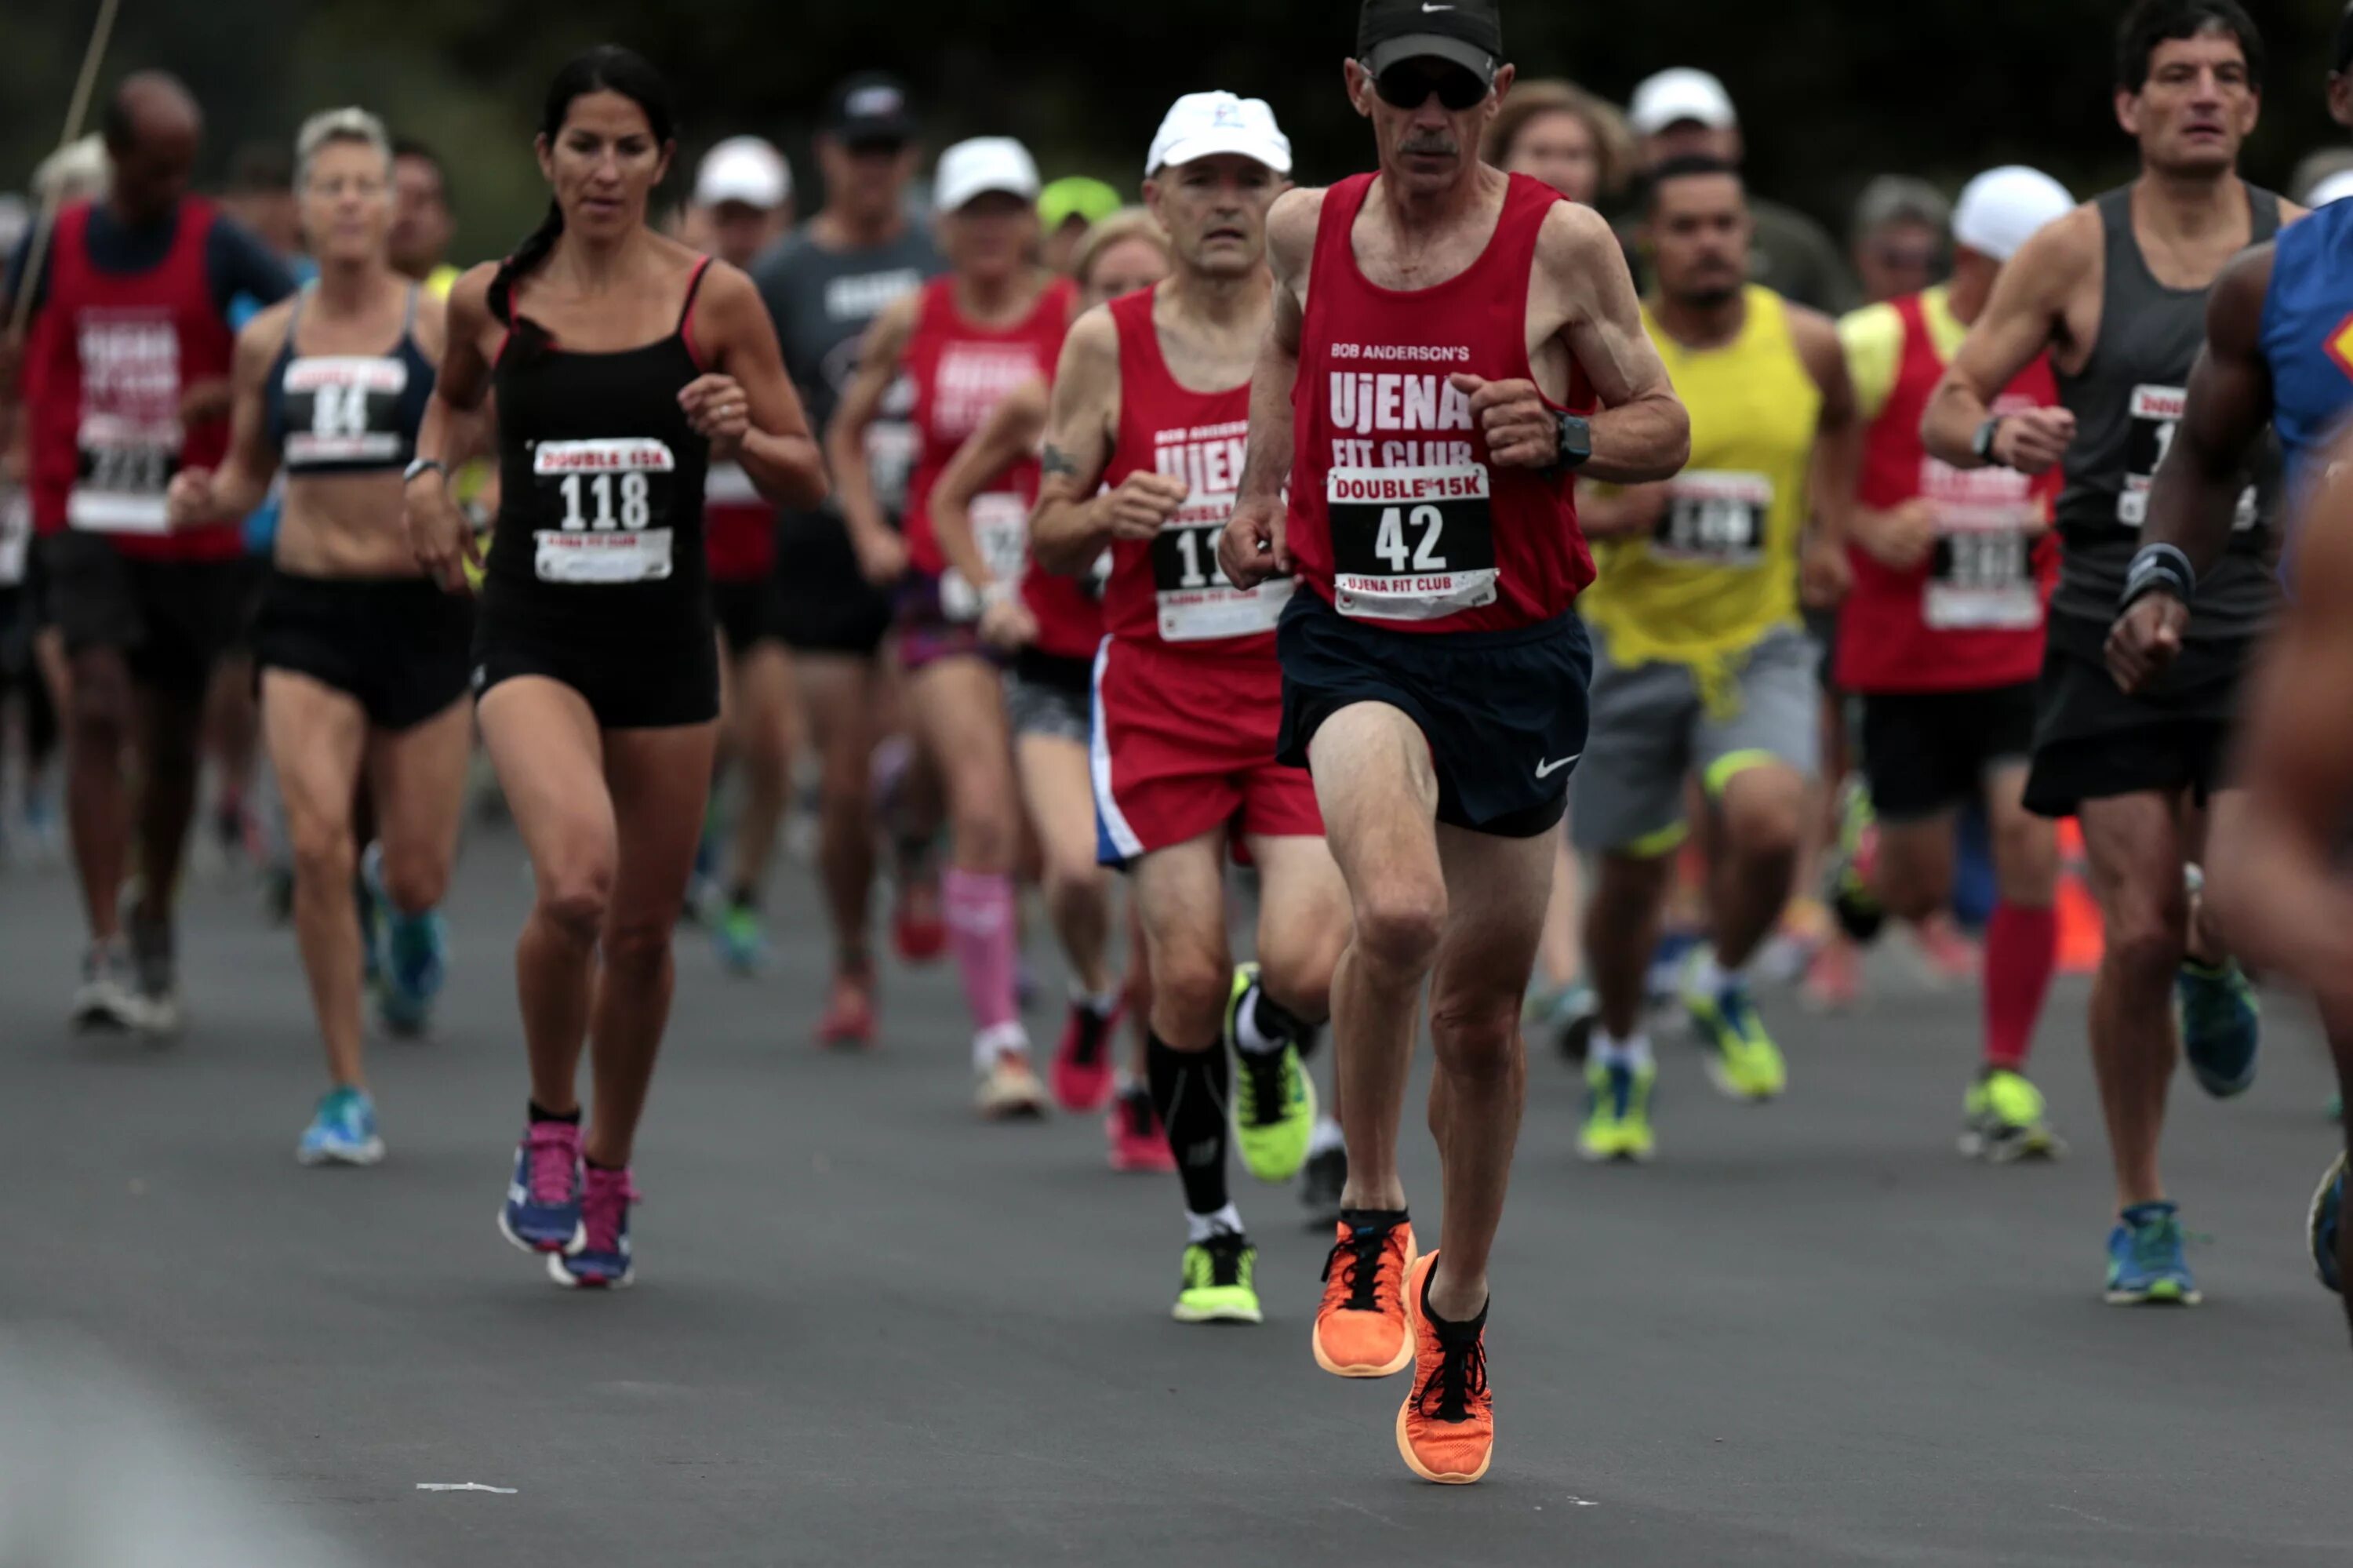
[
  {"x": 1719, "y": 570},
  {"x": 441, "y": 279}
]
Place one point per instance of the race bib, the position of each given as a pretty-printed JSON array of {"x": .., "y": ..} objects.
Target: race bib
[
  {"x": 1981, "y": 579},
  {"x": 1714, "y": 519},
  {"x": 2156, "y": 410},
  {"x": 1000, "y": 526},
  {"x": 1410, "y": 544},
  {"x": 1196, "y": 601},
  {"x": 610, "y": 504},
  {"x": 126, "y": 466},
  {"x": 345, "y": 410}
]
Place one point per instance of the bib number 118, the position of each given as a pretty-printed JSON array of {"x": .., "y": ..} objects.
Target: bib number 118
[{"x": 600, "y": 490}]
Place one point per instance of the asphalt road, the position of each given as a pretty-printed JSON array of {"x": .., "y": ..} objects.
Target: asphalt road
[{"x": 869, "y": 1329}]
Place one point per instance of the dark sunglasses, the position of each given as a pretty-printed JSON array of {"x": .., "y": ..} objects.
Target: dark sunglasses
[{"x": 1409, "y": 84}]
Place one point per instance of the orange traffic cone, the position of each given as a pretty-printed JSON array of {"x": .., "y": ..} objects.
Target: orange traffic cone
[{"x": 2081, "y": 937}]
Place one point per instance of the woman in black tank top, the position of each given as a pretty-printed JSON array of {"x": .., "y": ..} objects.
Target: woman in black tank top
[
  {"x": 363, "y": 659},
  {"x": 623, "y": 364}
]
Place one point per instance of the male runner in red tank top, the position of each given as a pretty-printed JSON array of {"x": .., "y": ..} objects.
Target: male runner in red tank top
[
  {"x": 1143, "y": 453},
  {"x": 1941, "y": 635},
  {"x": 1442, "y": 335},
  {"x": 126, "y": 379}
]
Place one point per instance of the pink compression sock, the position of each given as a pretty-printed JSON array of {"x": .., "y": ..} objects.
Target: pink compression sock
[
  {"x": 2022, "y": 947},
  {"x": 979, "y": 908}
]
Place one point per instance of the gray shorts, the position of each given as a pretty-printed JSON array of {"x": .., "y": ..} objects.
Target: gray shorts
[
  {"x": 1047, "y": 708},
  {"x": 1651, "y": 731}
]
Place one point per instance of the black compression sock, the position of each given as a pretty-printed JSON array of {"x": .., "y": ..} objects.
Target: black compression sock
[
  {"x": 540, "y": 1113},
  {"x": 1360, "y": 1219},
  {"x": 1275, "y": 1021},
  {"x": 1188, "y": 1089}
]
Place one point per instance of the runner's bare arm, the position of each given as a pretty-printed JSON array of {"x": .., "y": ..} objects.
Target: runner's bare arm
[
  {"x": 881, "y": 551},
  {"x": 1838, "y": 429},
  {"x": 1010, "y": 433},
  {"x": 748, "y": 408},
  {"x": 1251, "y": 550},
  {"x": 438, "y": 532},
  {"x": 1640, "y": 432},
  {"x": 2026, "y": 315},
  {"x": 2193, "y": 499},
  {"x": 2276, "y": 876},
  {"x": 1068, "y": 530},
  {"x": 242, "y": 482}
]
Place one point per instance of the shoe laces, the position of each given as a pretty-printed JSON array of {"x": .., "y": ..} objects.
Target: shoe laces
[
  {"x": 1093, "y": 1034},
  {"x": 2157, "y": 1241},
  {"x": 551, "y": 1160},
  {"x": 1459, "y": 1381},
  {"x": 1360, "y": 1274},
  {"x": 1266, "y": 1079},
  {"x": 604, "y": 1206},
  {"x": 1229, "y": 1258}
]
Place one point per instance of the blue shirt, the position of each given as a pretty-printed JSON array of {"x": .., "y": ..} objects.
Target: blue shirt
[{"x": 2306, "y": 338}]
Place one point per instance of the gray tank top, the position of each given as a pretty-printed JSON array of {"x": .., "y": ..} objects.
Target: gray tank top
[
  {"x": 823, "y": 301},
  {"x": 2126, "y": 400}
]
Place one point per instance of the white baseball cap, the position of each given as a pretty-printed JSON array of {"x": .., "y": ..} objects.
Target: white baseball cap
[
  {"x": 1203, "y": 124},
  {"x": 1677, "y": 94},
  {"x": 744, "y": 169},
  {"x": 2002, "y": 208},
  {"x": 980, "y": 166},
  {"x": 2336, "y": 187}
]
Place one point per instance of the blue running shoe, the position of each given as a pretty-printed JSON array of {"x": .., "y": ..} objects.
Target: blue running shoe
[
  {"x": 2145, "y": 1261},
  {"x": 2220, "y": 1026},
  {"x": 544, "y": 1200},
  {"x": 740, "y": 940},
  {"x": 342, "y": 1132},
  {"x": 602, "y": 1261},
  {"x": 2327, "y": 1202},
  {"x": 416, "y": 959}
]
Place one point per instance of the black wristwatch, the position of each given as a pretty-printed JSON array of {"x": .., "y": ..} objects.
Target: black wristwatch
[
  {"x": 1982, "y": 442},
  {"x": 1576, "y": 446}
]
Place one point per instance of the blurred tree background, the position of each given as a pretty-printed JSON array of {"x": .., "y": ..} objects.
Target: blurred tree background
[{"x": 1831, "y": 91}]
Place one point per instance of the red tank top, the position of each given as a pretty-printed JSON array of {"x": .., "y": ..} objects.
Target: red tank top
[
  {"x": 1395, "y": 514},
  {"x": 110, "y": 355},
  {"x": 1971, "y": 616},
  {"x": 1169, "y": 590},
  {"x": 960, "y": 373},
  {"x": 739, "y": 528}
]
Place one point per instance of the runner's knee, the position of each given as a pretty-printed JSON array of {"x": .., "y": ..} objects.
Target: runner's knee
[
  {"x": 415, "y": 878},
  {"x": 324, "y": 855},
  {"x": 574, "y": 894},
  {"x": 636, "y": 949},
  {"x": 1476, "y": 1036},
  {"x": 1764, "y": 810},
  {"x": 1399, "y": 921}
]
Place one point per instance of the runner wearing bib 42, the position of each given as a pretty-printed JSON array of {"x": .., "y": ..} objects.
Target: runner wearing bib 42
[
  {"x": 1941, "y": 637},
  {"x": 1703, "y": 668},
  {"x": 1437, "y": 327}
]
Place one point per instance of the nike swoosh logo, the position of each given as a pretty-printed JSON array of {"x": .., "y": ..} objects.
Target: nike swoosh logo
[{"x": 1547, "y": 769}]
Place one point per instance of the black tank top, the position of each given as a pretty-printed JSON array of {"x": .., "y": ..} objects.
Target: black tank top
[
  {"x": 2127, "y": 399},
  {"x": 600, "y": 530}
]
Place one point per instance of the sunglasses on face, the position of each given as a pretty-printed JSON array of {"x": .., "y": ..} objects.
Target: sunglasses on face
[{"x": 1409, "y": 84}]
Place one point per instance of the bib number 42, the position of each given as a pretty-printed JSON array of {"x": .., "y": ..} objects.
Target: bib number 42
[{"x": 1428, "y": 525}]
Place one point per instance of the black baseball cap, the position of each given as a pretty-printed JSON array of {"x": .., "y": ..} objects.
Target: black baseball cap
[
  {"x": 1468, "y": 33},
  {"x": 871, "y": 107}
]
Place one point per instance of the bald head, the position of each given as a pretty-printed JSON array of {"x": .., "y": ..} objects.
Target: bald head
[{"x": 153, "y": 127}]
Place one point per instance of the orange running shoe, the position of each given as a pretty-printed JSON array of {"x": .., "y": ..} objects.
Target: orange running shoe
[
  {"x": 1360, "y": 1328},
  {"x": 1446, "y": 1428}
]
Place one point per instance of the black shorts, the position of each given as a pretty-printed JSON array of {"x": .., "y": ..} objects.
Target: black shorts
[
  {"x": 255, "y": 572},
  {"x": 745, "y": 613},
  {"x": 1927, "y": 752},
  {"x": 820, "y": 600},
  {"x": 627, "y": 683},
  {"x": 2092, "y": 741},
  {"x": 397, "y": 646},
  {"x": 1505, "y": 711},
  {"x": 171, "y": 619}
]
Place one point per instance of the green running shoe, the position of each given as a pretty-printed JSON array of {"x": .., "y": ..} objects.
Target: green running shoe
[
  {"x": 1618, "y": 1112},
  {"x": 1855, "y": 858},
  {"x": 1274, "y": 1099},
  {"x": 1218, "y": 1282},
  {"x": 2001, "y": 1120},
  {"x": 1742, "y": 1060},
  {"x": 2221, "y": 1026}
]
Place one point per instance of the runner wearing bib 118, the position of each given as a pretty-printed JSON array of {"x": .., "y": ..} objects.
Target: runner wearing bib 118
[
  {"x": 1442, "y": 332},
  {"x": 1941, "y": 637},
  {"x": 1702, "y": 668}
]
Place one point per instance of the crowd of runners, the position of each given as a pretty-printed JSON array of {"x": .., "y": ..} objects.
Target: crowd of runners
[{"x": 1528, "y": 626}]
